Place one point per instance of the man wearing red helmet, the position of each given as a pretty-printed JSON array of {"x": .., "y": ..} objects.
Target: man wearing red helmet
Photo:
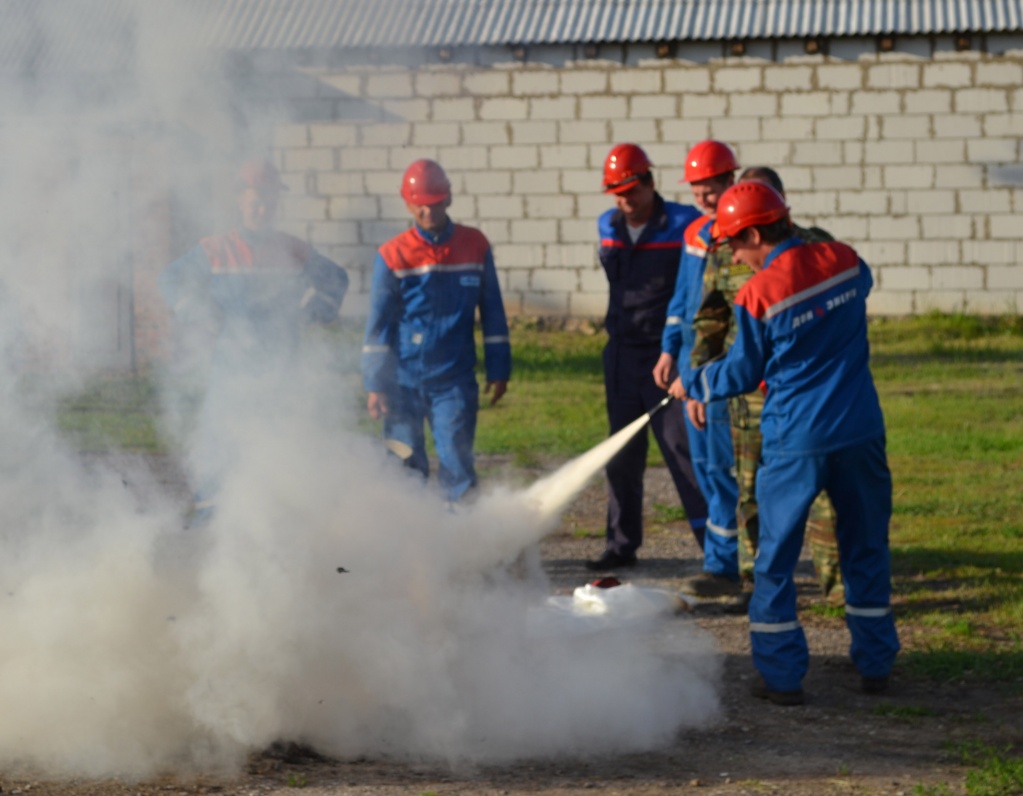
[
  {"x": 722, "y": 280},
  {"x": 801, "y": 326},
  {"x": 710, "y": 170},
  {"x": 257, "y": 287},
  {"x": 640, "y": 244},
  {"x": 419, "y": 351}
]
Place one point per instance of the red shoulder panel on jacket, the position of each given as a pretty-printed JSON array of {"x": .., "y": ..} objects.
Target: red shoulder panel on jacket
[
  {"x": 792, "y": 272},
  {"x": 410, "y": 250},
  {"x": 692, "y": 233}
]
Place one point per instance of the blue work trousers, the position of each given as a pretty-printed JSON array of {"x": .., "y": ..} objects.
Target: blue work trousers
[
  {"x": 713, "y": 458},
  {"x": 450, "y": 410},
  {"x": 859, "y": 484}
]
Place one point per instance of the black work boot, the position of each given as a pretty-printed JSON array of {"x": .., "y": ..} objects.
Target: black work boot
[
  {"x": 611, "y": 560},
  {"x": 874, "y": 685}
]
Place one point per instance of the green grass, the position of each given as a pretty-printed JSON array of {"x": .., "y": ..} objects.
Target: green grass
[
  {"x": 944, "y": 660},
  {"x": 555, "y": 404},
  {"x": 113, "y": 412},
  {"x": 932, "y": 790},
  {"x": 997, "y": 772},
  {"x": 828, "y": 611},
  {"x": 952, "y": 391},
  {"x": 665, "y": 514}
]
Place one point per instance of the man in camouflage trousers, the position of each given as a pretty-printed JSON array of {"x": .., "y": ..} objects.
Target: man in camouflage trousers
[{"x": 714, "y": 336}]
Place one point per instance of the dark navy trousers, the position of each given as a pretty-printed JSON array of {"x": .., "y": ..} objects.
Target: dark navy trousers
[{"x": 631, "y": 391}]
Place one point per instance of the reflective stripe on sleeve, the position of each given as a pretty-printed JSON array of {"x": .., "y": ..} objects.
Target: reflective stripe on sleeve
[
  {"x": 727, "y": 533},
  {"x": 868, "y": 612},
  {"x": 810, "y": 292},
  {"x": 696, "y": 251},
  {"x": 673, "y": 320},
  {"x": 443, "y": 268},
  {"x": 773, "y": 627},
  {"x": 496, "y": 339}
]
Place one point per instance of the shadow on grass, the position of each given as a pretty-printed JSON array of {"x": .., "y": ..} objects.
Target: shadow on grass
[
  {"x": 945, "y": 665},
  {"x": 939, "y": 353},
  {"x": 557, "y": 365},
  {"x": 968, "y": 605},
  {"x": 910, "y": 559}
]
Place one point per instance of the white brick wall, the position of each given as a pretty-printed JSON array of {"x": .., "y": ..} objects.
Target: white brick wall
[
  {"x": 788, "y": 78},
  {"x": 552, "y": 108},
  {"x": 545, "y": 82},
  {"x": 933, "y": 101},
  {"x": 1008, "y": 277},
  {"x": 983, "y": 302},
  {"x": 893, "y": 76},
  {"x": 904, "y": 278},
  {"x": 584, "y": 82},
  {"x": 839, "y": 77},
  {"x": 438, "y": 84},
  {"x": 981, "y": 100},
  {"x": 913, "y": 157},
  {"x": 941, "y": 301}
]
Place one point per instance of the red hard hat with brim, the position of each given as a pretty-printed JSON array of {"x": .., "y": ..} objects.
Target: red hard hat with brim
[
  {"x": 747, "y": 204},
  {"x": 625, "y": 165},
  {"x": 425, "y": 183},
  {"x": 709, "y": 159}
]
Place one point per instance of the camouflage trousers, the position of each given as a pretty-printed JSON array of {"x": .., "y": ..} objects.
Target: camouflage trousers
[{"x": 820, "y": 524}]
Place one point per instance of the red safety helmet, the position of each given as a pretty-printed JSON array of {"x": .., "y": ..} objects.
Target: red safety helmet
[
  {"x": 709, "y": 159},
  {"x": 747, "y": 204},
  {"x": 261, "y": 175},
  {"x": 625, "y": 164},
  {"x": 425, "y": 183}
]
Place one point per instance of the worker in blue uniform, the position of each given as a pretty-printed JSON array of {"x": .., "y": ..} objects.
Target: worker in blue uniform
[
  {"x": 709, "y": 169},
  {"x": 640, "y": 246},
  {"x": 802, "y": 328},
  {"x": 419, "y": 350},
  {"x": 252, "y": 290}
]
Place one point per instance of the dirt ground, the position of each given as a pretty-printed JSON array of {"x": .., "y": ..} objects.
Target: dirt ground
[{"x": 840, "y": 742}]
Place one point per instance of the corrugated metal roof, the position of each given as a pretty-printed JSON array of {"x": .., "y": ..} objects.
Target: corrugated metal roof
[
  {"x": 103, "y": 35},
  {"x": 290, "y": 24},
  {"x": 43, "y": 36}
]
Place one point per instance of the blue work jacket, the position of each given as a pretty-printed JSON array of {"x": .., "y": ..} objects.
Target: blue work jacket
[
  {"x": 802, "y": 328},
  {"x": 641, "y": 276},
  {"x": 678, "y": 337},
  {"x": 423, "y": 301}
]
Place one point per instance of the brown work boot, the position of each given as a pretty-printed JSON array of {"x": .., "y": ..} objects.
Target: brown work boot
[
  {"x": 786, "y": 699},
  {"x": 739, "y": 604},
  {"x": 707, "y": 584}
]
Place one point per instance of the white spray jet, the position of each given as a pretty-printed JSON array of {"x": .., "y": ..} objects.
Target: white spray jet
[{"x": 551, "y": 495}]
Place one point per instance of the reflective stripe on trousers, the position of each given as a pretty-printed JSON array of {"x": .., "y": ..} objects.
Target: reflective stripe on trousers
[
  {"x": 711, "y": 453},
  {"x": 859, "y": 484}
]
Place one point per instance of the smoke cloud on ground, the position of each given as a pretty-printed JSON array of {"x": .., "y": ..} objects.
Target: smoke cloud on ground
[{"x": 133, "y": 647}]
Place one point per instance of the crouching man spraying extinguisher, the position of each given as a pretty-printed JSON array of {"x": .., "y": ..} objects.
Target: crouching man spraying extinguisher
[{"x": 801, "y": 326}]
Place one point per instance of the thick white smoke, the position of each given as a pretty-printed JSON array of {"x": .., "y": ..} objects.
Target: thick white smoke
[{"x": 131, "y": 646}]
